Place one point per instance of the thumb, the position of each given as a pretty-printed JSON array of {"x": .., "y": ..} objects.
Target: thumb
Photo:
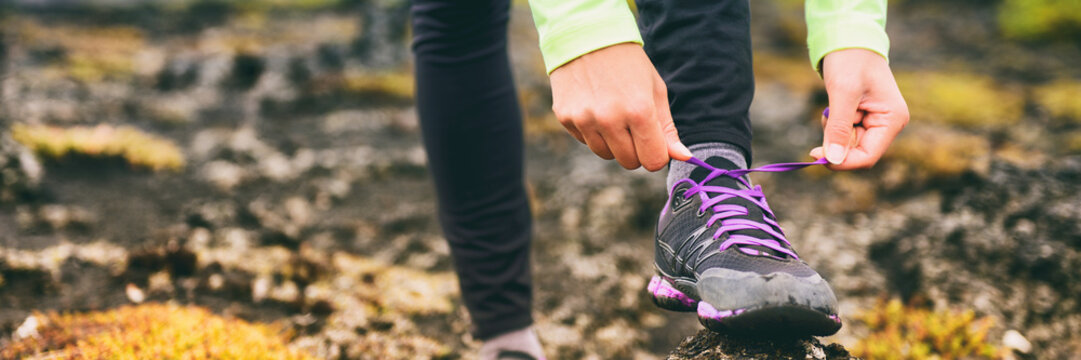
[
  {"x": 840, "y": 117},
  {"x": 676, "y": 149}
]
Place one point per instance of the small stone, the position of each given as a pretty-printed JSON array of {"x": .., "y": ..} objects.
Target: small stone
[
  {"x": 199, "y": 238},
  {"x": 215, "y": 282},
  {"x": 260, "y": 288},
  {"x": 816, "y": 352},
  {"x": 276, "y": 167},
  {"x": 134, "y": 293},
  {"x": 160, "y": 282},
  {"x": 236, "y": 238},
  {"x": 298, "y": 209},
  {"x": 287, "y": 292},
  {"x": 1013, "y": 340},
  {"x": 223, "y": 174},
  {"x": 28, "y": 329}
]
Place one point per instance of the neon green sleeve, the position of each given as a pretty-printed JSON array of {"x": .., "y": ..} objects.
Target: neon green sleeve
[
  {"x": 572, "y": 28},
  {"x": 843, "y": 24}
]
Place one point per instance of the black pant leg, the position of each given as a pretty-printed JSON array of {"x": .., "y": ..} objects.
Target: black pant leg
[
  {"x": 472, "y": 129},
  {"x": 702, "y": 49}
]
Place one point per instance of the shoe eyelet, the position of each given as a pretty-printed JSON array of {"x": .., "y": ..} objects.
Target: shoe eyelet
[
  {"x": 678, "y": 198},
  {"x": 701, "y": 212}
]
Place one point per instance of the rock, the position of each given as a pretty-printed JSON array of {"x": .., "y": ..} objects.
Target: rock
[
  {"x": 28, "y": 329},
  {"x": 708, "y": 345},
  {"x": 1013, "y": 340},
  {"x": 20, "y": 171},
  {"x": 134, "y": 293},
  {"x": 224, "y": 175}
]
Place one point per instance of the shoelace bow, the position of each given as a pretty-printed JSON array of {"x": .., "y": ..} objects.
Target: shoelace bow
[{"x": 725, "y": 212}]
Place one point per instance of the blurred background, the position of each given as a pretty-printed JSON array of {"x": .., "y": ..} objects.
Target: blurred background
[{"x": 250, "y": 172}]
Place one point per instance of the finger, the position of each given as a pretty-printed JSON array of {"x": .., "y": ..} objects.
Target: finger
[
  {"x": 842, "y": 115},
  {"x": 818, "y": 153},
  {"x": 574, "y": 132},
  {"x": 596, "y": 143},
  {"x": 873, "y": 142},
  {"x": 676, "y": 149},
  {"x": 619, "y": 141},
  {"x": 649, "y": 143}
]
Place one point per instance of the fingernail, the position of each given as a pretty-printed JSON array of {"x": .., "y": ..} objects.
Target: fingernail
[
  {"x": 835, "y": 153},
  {"x": 685, "y": 150},
  {"x": 826, "y": 112}
]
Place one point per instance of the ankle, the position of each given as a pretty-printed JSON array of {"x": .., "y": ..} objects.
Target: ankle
[
  {"x": 678, "y": 170},
  {"x": 520, "y": 343}
]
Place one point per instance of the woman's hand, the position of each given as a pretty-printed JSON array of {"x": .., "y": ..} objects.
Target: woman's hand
[
  {"x": 866, "y": 110},
  {"x": 613, "y": 100}
]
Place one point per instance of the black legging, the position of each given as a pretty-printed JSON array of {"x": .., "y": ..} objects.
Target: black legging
[{"x": 472, "y": 127}]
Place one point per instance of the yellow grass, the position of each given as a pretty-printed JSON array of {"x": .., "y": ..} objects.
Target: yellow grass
[
  {"x": 151, "y": 331},
  {"x": 903, "y": 332},
  {"x": 134, "y": 146}
]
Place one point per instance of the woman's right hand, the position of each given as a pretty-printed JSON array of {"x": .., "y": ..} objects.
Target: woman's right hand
[{"x": 613, "y": 100}]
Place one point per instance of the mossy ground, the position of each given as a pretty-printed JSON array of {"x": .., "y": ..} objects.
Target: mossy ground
[
  {"x": 151, "y": 331},
  {"x": 961, "y": 121}
]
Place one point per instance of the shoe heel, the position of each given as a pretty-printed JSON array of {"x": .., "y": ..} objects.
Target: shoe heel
[{"x": 665, "y": 296}]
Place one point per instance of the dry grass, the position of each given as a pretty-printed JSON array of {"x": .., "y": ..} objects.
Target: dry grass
[
  {"x": 151, "y": 331},
  {"x": 103, "y": 141}
]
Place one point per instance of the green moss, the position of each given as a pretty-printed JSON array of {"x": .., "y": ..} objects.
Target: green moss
[
  {"x": 966, "y": 100},
  {"x": 903, "y": 332},
  {"x": 794, "y": 72},
  {"x": 1062, "y": 100},
  {"x": 1073, "y": 143},
  {"x": 935, "y": 152},
  {"x": 89, "y": 53},
  {"x": 134, "y": 146},
  {"x": 152, "y": 331},
  {"x": 1040, "y": 19},
  {"x": 251, "y": 5},
  {"x": 393, "y": 84}
]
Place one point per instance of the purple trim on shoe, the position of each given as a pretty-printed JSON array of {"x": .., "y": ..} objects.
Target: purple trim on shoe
[
  {"x": 835, "y": 318},
  {"x": 660, "y": 288},
  {"x": 705, "y": 310}
]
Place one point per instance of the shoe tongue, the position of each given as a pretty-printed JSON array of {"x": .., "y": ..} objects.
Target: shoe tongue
[{"x": 701, "y": 173}]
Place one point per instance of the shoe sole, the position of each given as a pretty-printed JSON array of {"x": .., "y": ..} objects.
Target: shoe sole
[{"x": 780, "y": 320}]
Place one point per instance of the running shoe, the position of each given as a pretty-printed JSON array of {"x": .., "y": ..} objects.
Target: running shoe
[{"x": 721, "y": 253}]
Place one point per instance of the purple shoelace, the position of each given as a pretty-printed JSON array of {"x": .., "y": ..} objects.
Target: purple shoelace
[{"x": 724, "y": 212}]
